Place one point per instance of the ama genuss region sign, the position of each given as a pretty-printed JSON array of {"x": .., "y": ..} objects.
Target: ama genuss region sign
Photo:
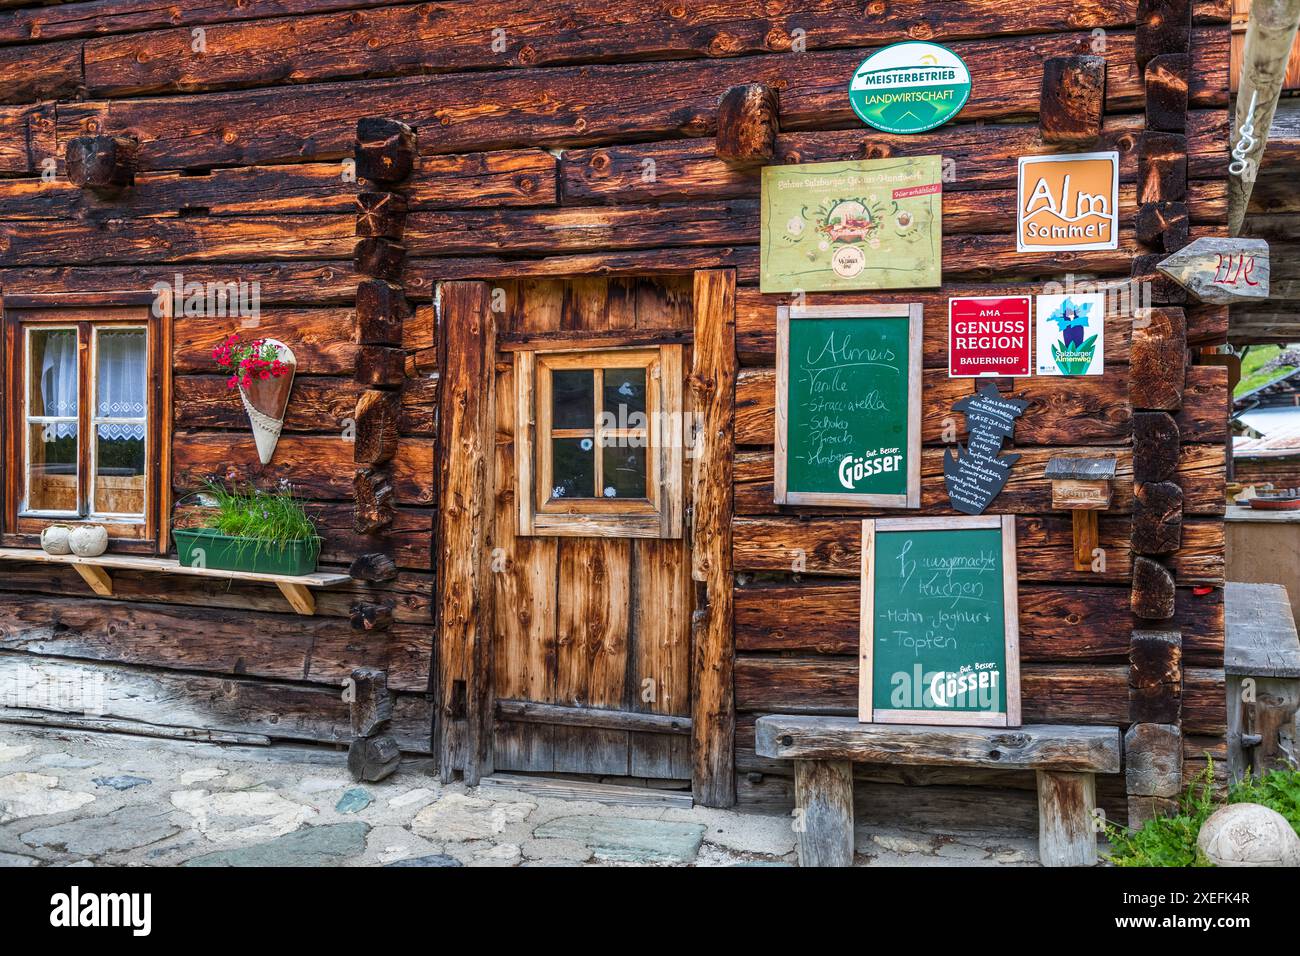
[{"x": 909, "y": 87}]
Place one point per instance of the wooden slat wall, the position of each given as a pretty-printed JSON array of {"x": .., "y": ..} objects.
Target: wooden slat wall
[{"x": 585, "y": 147}]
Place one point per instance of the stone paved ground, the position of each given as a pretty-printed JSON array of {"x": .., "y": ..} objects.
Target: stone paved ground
[{"x": 69, "y": 798}]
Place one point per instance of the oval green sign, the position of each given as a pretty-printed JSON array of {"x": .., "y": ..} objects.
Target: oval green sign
[{"x": 909, "y": 87}]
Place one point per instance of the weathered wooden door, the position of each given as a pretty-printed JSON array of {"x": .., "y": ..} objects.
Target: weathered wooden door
[{"x": 591, "y": 628}]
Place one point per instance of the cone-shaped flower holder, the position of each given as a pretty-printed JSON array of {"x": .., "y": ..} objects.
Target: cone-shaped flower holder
[{"x": 265, "y": 401}]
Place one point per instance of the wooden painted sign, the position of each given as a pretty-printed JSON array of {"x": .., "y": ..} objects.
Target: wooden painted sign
[
  {"x": 975, "y": 473},
  {"x": 848, "y": 406},
  {"x": 1221, "y": 271},
  {"x": 1068, "y": 202},
  {"x": 867, "y": 224},
  {"x": 939, "y": 635},
  {"x": 988, "y": 337}
]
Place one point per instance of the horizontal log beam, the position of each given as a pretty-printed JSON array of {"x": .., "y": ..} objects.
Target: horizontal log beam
[{"x": 537, "y": 713}]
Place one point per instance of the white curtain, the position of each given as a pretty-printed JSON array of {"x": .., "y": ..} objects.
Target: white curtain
[
  {"x": 58, "y": 381},
  {"x": 121, "y": 381}
]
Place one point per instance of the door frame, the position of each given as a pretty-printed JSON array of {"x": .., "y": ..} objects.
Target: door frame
[{"x": 462, "y": 677}]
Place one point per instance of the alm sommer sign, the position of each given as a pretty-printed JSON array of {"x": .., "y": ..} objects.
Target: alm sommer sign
[
  {"x": 1068, "y": 202},
  {"x": 909, "y": 87}
]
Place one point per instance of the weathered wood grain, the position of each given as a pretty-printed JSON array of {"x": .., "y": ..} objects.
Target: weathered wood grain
[
  {"x": 628, "y": 100},
  {"x": 1058, "y": 623},
  {"x": 466, "y": 441},
  {"x": 1051, "y": 693},
  {"x": 712, "y": 383},
  {"x": 320, "y": 650},
  {"x": 1067, "y": 833},
  {"x": 145, "y": 700},
  {"x": 1200, "y": 476},
  {"x": 1074, "y": 91},
  {"x": 430, "y": 38},
  {"x": 823, "y": 796},
  {"x": 1078, "y": 749},
  {"x": 826, "y": 546},
  {"x": 1066, "y": 412},
  {"x": 748, "y": 124},
  {"x": 320, "y": 466}
]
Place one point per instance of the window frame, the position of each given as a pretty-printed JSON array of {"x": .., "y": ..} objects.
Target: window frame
[
  {"x": 89, "y": 313},
  {"x": 659, "y": 514}
]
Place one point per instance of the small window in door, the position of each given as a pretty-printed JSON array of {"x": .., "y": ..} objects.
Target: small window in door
[{"x": 598, "y": 446}]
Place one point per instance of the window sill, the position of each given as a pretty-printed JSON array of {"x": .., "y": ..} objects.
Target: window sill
[{"x": 95, "y": 571}]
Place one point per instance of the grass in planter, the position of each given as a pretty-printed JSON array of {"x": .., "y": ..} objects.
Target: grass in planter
[
  {"x": 1171, "y": 841},
  {"x": 269, "y": 518}
]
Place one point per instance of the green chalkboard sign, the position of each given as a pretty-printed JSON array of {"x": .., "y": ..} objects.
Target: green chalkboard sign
[
  {"x": 940, "y": 622},
  {"x": 848, "y": 406}
]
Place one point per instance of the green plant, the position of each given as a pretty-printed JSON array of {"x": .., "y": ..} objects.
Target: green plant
[
  {"x": 267, "y": 518},
  {"x": 1171, "y": 841}
]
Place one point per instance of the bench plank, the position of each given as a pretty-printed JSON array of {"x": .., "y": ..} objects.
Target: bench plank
[{"x": 1035, "y": 747}]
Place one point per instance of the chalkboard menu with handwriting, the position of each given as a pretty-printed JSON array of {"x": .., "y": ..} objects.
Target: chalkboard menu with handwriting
[
  {"x": 939, "y": 622},
  {"x": 848, "y": 406}
]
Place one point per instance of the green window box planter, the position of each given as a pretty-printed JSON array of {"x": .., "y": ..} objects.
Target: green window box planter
[{"x": 204, "y": 547}]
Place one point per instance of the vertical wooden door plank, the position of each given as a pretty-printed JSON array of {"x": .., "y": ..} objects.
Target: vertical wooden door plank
[
  {"x": 523, "y": 579},
  {"x": 466, "y": 452},
  {"x": 661, "y": 664},
  {"x": 713, "y": 380},
  {"x": 594, "y": 614}
]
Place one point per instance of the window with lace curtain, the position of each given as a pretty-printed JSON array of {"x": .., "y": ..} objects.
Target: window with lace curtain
[{"x": 86, "y": 430}]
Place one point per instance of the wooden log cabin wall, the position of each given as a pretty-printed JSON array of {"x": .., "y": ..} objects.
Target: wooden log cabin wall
[{"x": 591, "y": 174}]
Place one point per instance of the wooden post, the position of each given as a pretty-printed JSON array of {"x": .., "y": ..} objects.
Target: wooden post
[
  {"x": 713, "y": 385},
  {"x": 466, "y": 446},
  {"x": 823, "y": 799},
  {"x": 1066, "y": 825},
  {"x": 1270, "y": 35},
  {"x": 1082, "y": 486}
]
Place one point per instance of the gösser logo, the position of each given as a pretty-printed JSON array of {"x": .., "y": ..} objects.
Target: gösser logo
[
  {"x": 909, "y": 87},
  {"x": 853, "y": 470}
]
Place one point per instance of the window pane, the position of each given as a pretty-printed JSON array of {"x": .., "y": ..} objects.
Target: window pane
[
  {"x": 119, "y": 470},
  {"x": 52, "y": 365},
  {"x": 573, "y": 398},
  {"x": 573, "y": 467},
  {"x": 52, "y": 467},
  {"x": 121, "y": 373},
  {"x": 624, "y": 397},
  {"x": 625, "y": 470}
]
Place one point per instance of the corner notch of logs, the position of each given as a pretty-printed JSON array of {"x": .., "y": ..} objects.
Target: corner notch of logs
[
  {"x": 748, "y": 124},
  {"x": 374, "y": 753},
  {"x": 1074, "y": 95},
  {"x": 1153, "y": 743},
  {"x": 385, "y": 154}
]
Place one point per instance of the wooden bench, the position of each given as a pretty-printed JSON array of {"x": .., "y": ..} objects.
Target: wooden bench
[{"x": 824, "y": 750}]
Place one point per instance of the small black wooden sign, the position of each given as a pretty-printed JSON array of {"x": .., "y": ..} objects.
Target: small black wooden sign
[{"x": 975, "y": 473}]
